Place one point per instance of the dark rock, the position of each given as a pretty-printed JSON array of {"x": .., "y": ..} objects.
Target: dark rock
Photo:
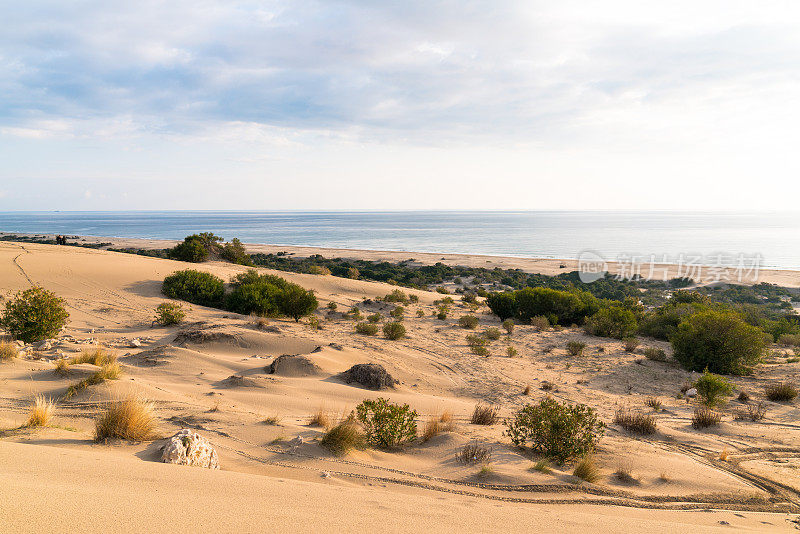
[{"x": 369, "y": 375}]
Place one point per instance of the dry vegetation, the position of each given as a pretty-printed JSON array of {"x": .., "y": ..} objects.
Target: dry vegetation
[
  {"x": 41, "y": 411},
  {"x": 129, "y": 419}
]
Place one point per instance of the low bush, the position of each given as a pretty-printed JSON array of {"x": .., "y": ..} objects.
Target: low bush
[
  {"x": 540, "y": 322},
  {"x": 508, "y": 326},
  {"x": 789, "y": 340},
  {"x": 397, "y": 296},
  {"x": 713, "y": 388},
  {"x": 586, "y": 469},
  {"x": 332, "y": 306},
  {"x": 130, "y": 419},
  {"x": 367, "y": 329},
  {"x": 492, "y": 333},
  {"x": 511, "y": 352},
  {"x": 194, "y": 249},
  {"x": 41, "y": 411},
  {"x": 34, "y": 314},
  {"x": 559, "y": 431},
  {"x": 718, "y": 341},
  {"x": 613, "y": 321},
  {"x": 374, "y": 318},
  {"x": 387, "y": 425},
  {"x": 704, "y": 417},
  {"x": 484, "y": 414},
  {"x": 235, "y": 252},
  {"x": 169, "y": 313},
  {"x": 394, "y": 331},
  {"x": 635, "y": 421},
  {"x": 655, "y": 354},
  {"x": 653, "y": 403},
  {"x": 319, "y": 270},
  {"x": 197, "y": 287},
  {"x": 468, "y": 321},
  {"x": 343, "y": 438},
  {"x": 473, "y": 453},
  {"x": 397, "y": 313},
  {"x": 781, "y": 392},
  {"x": 575, "y": 348}
]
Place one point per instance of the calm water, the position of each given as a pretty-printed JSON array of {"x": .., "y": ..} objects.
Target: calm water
[{"x": 564, "y": 234}]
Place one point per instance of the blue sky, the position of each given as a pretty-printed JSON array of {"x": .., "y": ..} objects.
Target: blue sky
[{"x": 393, "y": 105}]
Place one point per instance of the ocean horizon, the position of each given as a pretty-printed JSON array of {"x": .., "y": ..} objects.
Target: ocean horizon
[{"x": 771, "y": 238}]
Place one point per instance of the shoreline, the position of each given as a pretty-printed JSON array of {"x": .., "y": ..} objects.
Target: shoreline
[{"x": 702, "y": 274}]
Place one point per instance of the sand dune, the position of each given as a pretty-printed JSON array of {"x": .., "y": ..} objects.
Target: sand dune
[{"x": 211, "y": 374}]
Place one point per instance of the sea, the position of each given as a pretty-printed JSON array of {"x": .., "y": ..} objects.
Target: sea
[{"x": 708, "y": 238}]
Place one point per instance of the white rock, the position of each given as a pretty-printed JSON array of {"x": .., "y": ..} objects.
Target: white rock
[
  {"x": 19, "y": 343},
  {"x": 44, "y": 345},
  {"x": 691, "y": 393},
  {"x": 190, "y": 448},
  {"x": 135, "y": 343}
]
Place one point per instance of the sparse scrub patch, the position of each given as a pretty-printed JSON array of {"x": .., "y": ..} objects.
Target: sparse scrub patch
[
  {"x": 575, "y": 348},
  {"x": 478, "y": 344},
  {"x": 98, "y": 356},
  {"x": 397, "y": 296},
  {"x": 367, "y": 329},
  {"x": 398, "y": 313},
  {"x": 781, "y": 392},
  {"x": 511, "y": 352},
  {"x": 387, "y": 425},
  {"x": 655, "y": 354},
  {"x": 630, "y": 343},
  {"x": 653, "y": 403},
  {"x": 62, "y": 367},
  {"x": 540, "y": 322},
  {"x": 753, "y": 412},
  {"x": 130, "y": 419},
  {"x": 374, "y": 318},
  {"x": 705, "y": 417},
  {"x": 492, "y": 334},
  {"x": 635, "y": 421},
  {"x": 484, "y": 414},
  {"x": 557, "y": 430},
  {"x": 468, "y": 321},
  {"x": 8, "y": 351},
  {"x": 508, "y": 326},
  {"x": 320, "y": 418},
  {"x": 41, "y": 411}
]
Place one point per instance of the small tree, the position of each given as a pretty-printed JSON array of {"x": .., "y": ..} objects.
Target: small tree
[
  {"x": 297, "y": 302},
  {"x": 718, "y": 341},
  {"x": 193, "y": 249},
  {"x": 614, "y": 321},
  {"x": 386, "y": 424},
  {"x": 559, "y": 431},
  {"x": 34, "y": 314},
  {"x": 168, "y": 313}
]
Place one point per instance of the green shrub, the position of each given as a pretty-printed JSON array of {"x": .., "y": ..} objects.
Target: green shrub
[
  {"x": 195, "y": 248},
  {"x": 396, "y": 296},
  {"x": 353, "y": 273},
  {"x": 468, "y": 321},
  {"x": 540, "y": 322},
  {"x": 374, "y": 318},
  {"x": 168, "y": 313},
  {"x": 34, "y": 314},
  {"x": 413, "y": 298},
  {"x": 560, "y": 307},
  {"x": 712, "y": 388},
  {"x": 386, "y": 424},
  {"x": 269, "y": 296},
  {"x": 441, "y": 312},
  {"x": 443, "y": 290},
  {"x": 504, "y": 305},
  {"x": 235, "y": 252},
  {"x": 511, "y": 352},
  {"x": 508, "y": 326},
  {"x": 367, "y": 329},
  {"x": 296, "y": 302},
  {"x": 492, "y": 333},
  {"x": 196, "y": 287},
  {"x": 613, "y": 321},
  {"x": 332, "y": 306},
  {"x": 398, "y": 312},
  {"x": 343, "y": 437},
  {"x": 719, "y": 341},
  {"x": 559, "y": 431},
  {"x": 394, "y": 330},
  {"x": 420, "y": 313},
  {"x": 575, "y": 348}
]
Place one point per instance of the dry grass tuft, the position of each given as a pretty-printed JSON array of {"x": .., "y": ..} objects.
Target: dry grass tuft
[
  {"x": 8, "y": 351},
  {"x": 705, "y": 417},
  {"x": 448, "y": 423},
  {"x": 587, "y": 469},
  {"x": 109, "y": 371},
  {"x": 320, "y": 419},
  {"x": 781, "y": 392},
  {"x": 433, "y": 427},
  {"x": 485, "y": 415},
  {"x": 98, "y": 356},
  {"x": 543, "y": 466},
  {"x": 344, "y": 437},
  {"x": 62, "y": 367},
  {"x": 130, "y": 419},
  {"x": 635, "y": 421},
  {"x": 474, "y": 454},
  {"x": 41, "y": 411},
  {"x": 753, "y": 412},
  {"x": 625, "y": 475},
  {"x": 273, "y": 420},
  {"x": 653, "y": 403}
]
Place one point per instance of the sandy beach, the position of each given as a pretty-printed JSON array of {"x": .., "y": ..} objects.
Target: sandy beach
[{"x": 742, "y": 475}]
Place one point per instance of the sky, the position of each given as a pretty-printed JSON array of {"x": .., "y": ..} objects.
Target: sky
[{"x": 111, "y": 105}]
